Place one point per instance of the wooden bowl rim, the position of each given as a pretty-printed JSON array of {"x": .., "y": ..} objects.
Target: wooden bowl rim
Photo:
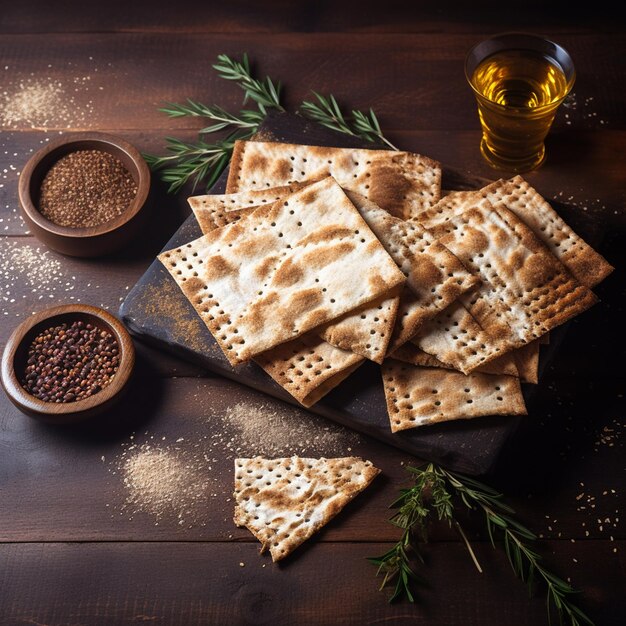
[
  {"x": 30, "y": 403},
  {"x": 61, "y": 145}
]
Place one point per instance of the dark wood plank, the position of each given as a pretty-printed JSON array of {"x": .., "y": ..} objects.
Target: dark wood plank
[
  {"x": 69, "y": 472},
  {"x": 414, "y": 82},
  {"x": 563, "y": 472},
  {"x": 280, "y": 16},
  {"x": 203, "y": 583},
  {"x": 64, "y": 480}
]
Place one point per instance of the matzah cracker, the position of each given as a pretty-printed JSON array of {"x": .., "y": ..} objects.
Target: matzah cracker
[
  {"x": 417, "y": 396},
  {"x": 579, "y": 257},
  {"x": 284, "y": 270},
  {"x": 308, "y": 367},
  {"x": 366, "y": 331},
  {"x": 410, "y": 353},
  {"x": 215, "y": 211},
  {"x": 434, "y": 276},
  {"x": 526, "y": 290},
  {"x": 401, "y": 183},
  {"x": 428, "y": 266},
  {"x": 283, "y": 502}
]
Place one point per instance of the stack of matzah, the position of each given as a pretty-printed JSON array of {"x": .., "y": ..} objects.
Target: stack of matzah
[{"x": 317, "y": 259}]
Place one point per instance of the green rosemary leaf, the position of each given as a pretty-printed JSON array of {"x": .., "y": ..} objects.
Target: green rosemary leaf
[
  {"x": 194, "y": 162},
  {"x": 490, "y": 530},
  {"x": 575, "y": 611},
  {"x": 264, "y": 93},
  {"x": 247, "y": 119},
  {"x": 326, "y": 111}
]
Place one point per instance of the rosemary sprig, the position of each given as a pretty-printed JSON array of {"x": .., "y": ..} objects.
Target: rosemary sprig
[
  {"x": 441, "y": 486},
  {"x": 204, "y": 162},
  {"x": 525, "y": 562},
  {"x": 195, "y": 162},
  {"x": 411, "y": 517},
  {"x": 265, "y": 93},
  {"x": 247, "y": 119},
  {"x": 327, "y": 112}
]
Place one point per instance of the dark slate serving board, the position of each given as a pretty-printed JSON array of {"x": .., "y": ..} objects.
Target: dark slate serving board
[{"x": 157, "y": 311}]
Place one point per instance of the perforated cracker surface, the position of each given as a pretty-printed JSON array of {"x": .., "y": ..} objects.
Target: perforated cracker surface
[
  {"x": 284, "y": 270},
  {"x": 285, "y": 501},
  {"x": 308, "y": 367},
  {"x": 366, "y": 331},
  {"x": 402, "y": 183},
  {"x": 526, "y": 291},
  {"x": 435, "y": 277},
  {"x": 215, "y": 211},
  {"x": 417, "y": 396},
  {"x": 587, "y": 265}
]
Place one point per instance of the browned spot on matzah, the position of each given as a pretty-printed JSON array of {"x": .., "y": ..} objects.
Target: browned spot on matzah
[
  {"x": 326, "y": 235},
  {"x": 580, "y": 258},
  {"x": 288, "y": 274}
]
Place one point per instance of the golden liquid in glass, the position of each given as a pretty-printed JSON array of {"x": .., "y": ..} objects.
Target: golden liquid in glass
[{"x": 519, "y": 94}]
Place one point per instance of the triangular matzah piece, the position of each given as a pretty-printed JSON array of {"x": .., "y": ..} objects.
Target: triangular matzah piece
[
  {"x": 526, "y": 291},
  {"x": 410, "y": 353},
  {"x": 308, "y": 367},
  {"x": 401, "y": 183},
  {"x": 417, "y": 396},
  {"x": 578, "y": 256},
  {"x": 284, "y": 270},
  {"x": 283, "y": 502}
]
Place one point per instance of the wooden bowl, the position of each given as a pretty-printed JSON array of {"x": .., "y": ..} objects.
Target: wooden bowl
[
  {"x": 93, "y": 240},
  {"x": 16, "y": 353}
]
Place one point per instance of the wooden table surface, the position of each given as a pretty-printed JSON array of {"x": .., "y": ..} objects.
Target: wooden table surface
[{"x": 76, "y": 547}]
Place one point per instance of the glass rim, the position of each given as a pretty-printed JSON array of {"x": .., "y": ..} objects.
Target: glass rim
[{"x": 514, "y": 41}]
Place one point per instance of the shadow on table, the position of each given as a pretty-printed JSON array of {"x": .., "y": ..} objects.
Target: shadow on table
[
  {"x": 579, "y": 396},
  {"x": 140, "y": 402}
]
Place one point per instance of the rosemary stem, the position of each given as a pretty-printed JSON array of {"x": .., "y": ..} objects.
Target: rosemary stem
[
  {"x": 468, "y": 546},
  {"x": 385, "y": 140}
]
